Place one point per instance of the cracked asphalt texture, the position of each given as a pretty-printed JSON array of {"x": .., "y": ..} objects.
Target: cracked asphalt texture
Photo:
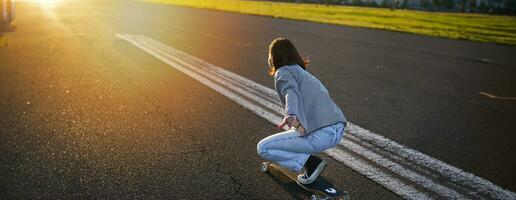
[{"x": 86, "y": 115}]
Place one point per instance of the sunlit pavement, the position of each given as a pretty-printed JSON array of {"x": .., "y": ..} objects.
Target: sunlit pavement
[{"x": 86, "y": 114}]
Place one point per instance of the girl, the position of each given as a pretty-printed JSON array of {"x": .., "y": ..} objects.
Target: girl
[{"x": 319, "y": 123}]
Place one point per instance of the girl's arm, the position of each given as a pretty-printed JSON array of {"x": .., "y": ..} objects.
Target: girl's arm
[{"x": 288, "y": 88}]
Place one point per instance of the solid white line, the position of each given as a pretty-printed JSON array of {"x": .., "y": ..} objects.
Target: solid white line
[
  {"x": 380, "y": 141},
  {"x": 373, "y": 173}
]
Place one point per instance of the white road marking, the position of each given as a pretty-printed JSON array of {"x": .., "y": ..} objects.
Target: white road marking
[
  {"x": 492, "y": 96},
  {"x": 402, "y": 171},
  {"x": 220, "y": 79},
  {"x": 375, "y": 174}
]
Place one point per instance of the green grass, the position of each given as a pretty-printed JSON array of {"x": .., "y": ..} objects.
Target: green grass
[{"x": 475, "y": 27}]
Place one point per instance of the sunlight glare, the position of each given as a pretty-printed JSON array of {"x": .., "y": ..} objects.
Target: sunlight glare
[{"x": 49, "y": 4}]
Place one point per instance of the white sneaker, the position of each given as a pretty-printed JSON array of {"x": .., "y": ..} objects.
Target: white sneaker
[{"x": 311, "y": 173}]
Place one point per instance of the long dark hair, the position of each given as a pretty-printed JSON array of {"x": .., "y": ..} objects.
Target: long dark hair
[{"x": 283, "y": 52}]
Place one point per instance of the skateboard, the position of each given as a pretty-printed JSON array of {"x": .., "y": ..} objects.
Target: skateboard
[{"x": 320, "y": 188}]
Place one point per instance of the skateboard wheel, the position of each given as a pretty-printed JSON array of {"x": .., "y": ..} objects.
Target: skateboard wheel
[
  {"x": 264, "y": 167},
  {"x": 313, "y": 197}
]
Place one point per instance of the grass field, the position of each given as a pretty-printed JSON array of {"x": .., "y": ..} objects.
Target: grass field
[{"x": 476, "y": 27}]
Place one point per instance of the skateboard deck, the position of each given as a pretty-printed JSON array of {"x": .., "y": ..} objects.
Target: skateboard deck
[{"x": 320, "y": 188}]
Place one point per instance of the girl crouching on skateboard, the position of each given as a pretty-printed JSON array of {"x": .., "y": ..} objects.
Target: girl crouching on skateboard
[{"x": 319, "y": 123}]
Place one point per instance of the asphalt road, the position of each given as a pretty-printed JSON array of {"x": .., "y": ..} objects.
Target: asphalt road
[{"x": 84, "y": 114}]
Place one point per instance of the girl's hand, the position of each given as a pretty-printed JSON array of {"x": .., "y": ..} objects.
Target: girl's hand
[{"x": 290, "y": 120}]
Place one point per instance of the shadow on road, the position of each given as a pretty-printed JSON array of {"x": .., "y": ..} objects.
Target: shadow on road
[{"x": 289, "y": 185}]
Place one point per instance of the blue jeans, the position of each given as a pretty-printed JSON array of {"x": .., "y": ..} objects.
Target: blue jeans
[{"x": 290, "y": 150}]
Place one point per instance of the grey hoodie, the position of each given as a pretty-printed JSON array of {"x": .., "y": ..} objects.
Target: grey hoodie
[{"x": 306, "y": 97}]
